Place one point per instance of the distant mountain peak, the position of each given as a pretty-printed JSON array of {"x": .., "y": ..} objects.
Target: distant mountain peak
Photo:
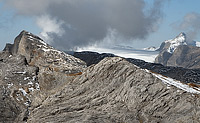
[
  {"x": 24, "y": 31},
  {"x": 152, "y": 48},
  {"x": 38, "y": 53},
  {"x": 174, "y": 43},
  {"x": 182, "y": 34},
  {"x": 178, "y": 52},
  {"x": 180, "y": 38}
]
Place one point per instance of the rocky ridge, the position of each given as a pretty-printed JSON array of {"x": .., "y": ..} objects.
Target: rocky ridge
[
  {"x": 30, "y": 71},
  {"x": 115, "y": 90},
  {"x": 178, "y": 73},
  {"x": 41, "y": 84}
]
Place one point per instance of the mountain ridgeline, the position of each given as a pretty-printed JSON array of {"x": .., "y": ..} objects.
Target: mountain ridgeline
[
  {"x": 41, "y": 84},
  {"x": 179, "y": 52},
  {"x": 178, "y": 73}
]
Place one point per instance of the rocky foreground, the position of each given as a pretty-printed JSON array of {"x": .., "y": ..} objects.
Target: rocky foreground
[{"x": 41, "y": 84}]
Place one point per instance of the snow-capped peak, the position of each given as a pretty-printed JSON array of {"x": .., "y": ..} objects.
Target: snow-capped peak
[
  {"x": 174, "y": 43},
  {"x": 182, "y": 34}
]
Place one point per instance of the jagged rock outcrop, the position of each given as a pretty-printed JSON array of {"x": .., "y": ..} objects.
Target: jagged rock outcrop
[
  {"x": 18, "y": 82},
  {"x": 40, "y": 54},
  {"x": 49, "y": 60},
  {"x": 30, "y": 71}
]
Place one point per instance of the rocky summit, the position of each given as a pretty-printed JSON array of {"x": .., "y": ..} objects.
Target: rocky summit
[
  {"x": 31, "y": 70},
  {"x": 180, "y": 53},
  {"x": 40, "y": 84}
]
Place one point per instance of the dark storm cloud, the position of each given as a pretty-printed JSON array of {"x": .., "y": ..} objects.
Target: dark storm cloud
[{"x": 88, "y": 21}]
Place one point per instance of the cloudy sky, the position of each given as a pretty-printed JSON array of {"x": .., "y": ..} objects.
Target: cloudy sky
[{"x": 70, "y": 24}]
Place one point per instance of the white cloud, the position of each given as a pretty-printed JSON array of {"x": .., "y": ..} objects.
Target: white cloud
[{"x": 49, "y": 25}]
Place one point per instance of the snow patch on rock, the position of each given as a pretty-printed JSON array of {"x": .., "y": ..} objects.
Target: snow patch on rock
[
  {"x": 174, "y": 43},
  {"x": 178, "y": 84}
]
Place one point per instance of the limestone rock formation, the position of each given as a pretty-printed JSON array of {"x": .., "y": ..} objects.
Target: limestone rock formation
[
  {"x": 18, "y": 82},
  {"x": 41, "y": 84},
  {"x": 115, "y": 90},
  {"x": 30, "y": 71}
]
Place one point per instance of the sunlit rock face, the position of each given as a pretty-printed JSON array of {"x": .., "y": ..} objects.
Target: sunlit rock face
[{"x": 30, "y": 71}]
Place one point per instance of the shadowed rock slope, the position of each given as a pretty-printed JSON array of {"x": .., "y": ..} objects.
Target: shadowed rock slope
[
  {"x": 184, "y": 56},
  {"x": 91, "y": 57}
]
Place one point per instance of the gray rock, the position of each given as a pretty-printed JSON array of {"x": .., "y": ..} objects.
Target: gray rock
[
  {"x": 163, "y": 57},
  {"x": 185, "y": 56},
  {"x": 30, "y": 71},
  {"x": 41, "y": 84},
  {"x": 115, "y": 90},
  {"x": 9, "y": 110}
]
